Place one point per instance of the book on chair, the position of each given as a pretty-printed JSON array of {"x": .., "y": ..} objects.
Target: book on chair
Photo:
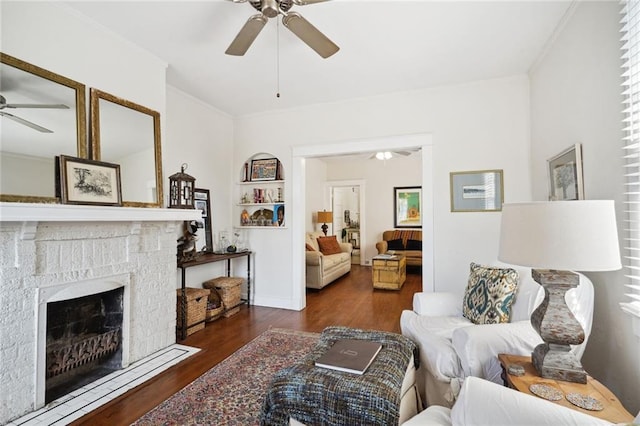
[{"x": 350, "y": 355}]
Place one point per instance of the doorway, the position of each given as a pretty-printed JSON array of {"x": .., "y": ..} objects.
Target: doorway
[
  {"x": 298, "y": 221},
  {"x": 347, "y": 203}
]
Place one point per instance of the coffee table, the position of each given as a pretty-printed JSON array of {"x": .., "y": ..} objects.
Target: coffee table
[{"x": 389, "y": 271}]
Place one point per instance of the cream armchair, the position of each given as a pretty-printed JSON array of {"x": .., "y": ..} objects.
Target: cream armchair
[
  {"x": 453, "y": 348},
  {"x": 485, "y": 403}
]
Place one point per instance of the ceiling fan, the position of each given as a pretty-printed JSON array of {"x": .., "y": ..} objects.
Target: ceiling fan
[
  {"x": 4, "y": 105},
  {"x": 386, "y": 155},
  {"x": 292, "y": 20}
]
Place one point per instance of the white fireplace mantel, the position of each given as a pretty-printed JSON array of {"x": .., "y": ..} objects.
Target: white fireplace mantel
[{"x": 40, "y": 212}]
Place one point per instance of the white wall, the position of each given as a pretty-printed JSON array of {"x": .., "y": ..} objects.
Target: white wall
[
  {"x": 202, "y": 137},
  {"x": 482, "y": 125},
  {"x": 576, "y": 98}
]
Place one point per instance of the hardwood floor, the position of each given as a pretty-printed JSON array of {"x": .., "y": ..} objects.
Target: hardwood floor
[{"x": 350, "y": 301}]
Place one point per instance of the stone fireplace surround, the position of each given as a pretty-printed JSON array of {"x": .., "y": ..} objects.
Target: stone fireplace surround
[{"x": 45, "y": 248}]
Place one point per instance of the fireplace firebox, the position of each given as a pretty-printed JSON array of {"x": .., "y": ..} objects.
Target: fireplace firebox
[{"x": 84, "y": 341}]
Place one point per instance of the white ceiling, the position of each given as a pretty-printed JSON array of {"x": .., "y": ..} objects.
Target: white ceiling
[{"x": 385, "y": 46}]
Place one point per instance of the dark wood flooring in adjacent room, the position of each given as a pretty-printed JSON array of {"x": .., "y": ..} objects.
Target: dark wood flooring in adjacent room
[{"x": 350, "y": 301}]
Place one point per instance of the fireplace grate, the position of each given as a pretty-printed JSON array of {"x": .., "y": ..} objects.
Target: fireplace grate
[{"x": 82, "y": 351}]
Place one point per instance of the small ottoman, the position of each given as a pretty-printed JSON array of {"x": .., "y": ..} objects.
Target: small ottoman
[{"x": 229, "y": 289}]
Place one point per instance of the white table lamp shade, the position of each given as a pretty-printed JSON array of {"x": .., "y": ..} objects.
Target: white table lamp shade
[{"x": 564, "y": 235}]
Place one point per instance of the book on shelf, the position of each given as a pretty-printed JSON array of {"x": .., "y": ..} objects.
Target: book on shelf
[{"x": 350, "y": 355}]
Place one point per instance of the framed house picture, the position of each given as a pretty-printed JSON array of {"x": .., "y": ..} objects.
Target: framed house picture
[
  {"x": 201, "y": 202},
  {"x": 476, "y": 191},
  {"x": 88, "y": 182},
  {"x": 407, "y": 207},
  {"x": 264, "y": 169},
  {"x": 565, "y": 175}
]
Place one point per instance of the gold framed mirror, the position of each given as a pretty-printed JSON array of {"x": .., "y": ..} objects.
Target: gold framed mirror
[
  {"x": 128, "y": 134},
  {"x": 43, "y": 114}
]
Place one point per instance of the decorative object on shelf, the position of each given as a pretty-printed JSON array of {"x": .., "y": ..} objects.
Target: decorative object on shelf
[
  {"x": 187, "y": 242},
  {"x": 325, "y": 217},
  {"x": 245, "y": 219},
  {"x": 245, "y": 173},
  {"x": 83, "y": 181},
  {"x": 278, "y": 215},
  {"x": 563, "y": 236},
  {"x": 407, "y": 207},
  {"x": 181, "y": 188},
  {"x": 565, "y": 175},
  {"x": 476, "y": 191},
  {"x": 264, "y": 169},
  {"x": 202, "y": 202}
]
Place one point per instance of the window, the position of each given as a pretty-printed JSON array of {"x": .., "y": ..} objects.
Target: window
[{"x": 631, "y": 150}]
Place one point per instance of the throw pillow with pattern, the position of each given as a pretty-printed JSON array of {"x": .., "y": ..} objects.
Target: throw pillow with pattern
[{"x": 489, "y": 295}]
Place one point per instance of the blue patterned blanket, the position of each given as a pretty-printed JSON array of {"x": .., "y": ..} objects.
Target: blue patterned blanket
[{"x": 319, "y": 396}]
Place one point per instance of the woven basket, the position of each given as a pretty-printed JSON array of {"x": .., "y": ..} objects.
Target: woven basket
[
  {"x": 229, "y": 289},
  {"x": 196, "y": 309},
  {"x": 214, "y": 313}
]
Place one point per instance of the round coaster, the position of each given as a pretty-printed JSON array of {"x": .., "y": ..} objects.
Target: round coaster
[
  {"x": 546, "y": 391},
  {"x": 584, "y": 401}
]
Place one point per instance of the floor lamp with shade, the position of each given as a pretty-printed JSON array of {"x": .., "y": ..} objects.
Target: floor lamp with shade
[{"x": 560, "y": 236}]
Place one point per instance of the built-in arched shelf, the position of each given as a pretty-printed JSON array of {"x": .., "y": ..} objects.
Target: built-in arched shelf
[{"x": 261, "y": 198}]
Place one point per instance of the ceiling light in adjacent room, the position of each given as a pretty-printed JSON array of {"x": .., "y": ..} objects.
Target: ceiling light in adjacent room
[{"x": 383, "y": 155}]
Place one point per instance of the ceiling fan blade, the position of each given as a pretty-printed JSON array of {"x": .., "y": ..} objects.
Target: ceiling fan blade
[
  {"x": 48, "y": 106},
  {"x": 405, "y": 153},
  {"x": 25, "y": 122},
  {"x": 247, "y": 35},
  {"x": 309, "y": 34},
  {"x": 306, "y": 2}
]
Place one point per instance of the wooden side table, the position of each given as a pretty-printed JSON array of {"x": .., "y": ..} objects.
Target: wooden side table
[
  {"x": 389, "y": 272},
  {"x": 613, "y": 410}
]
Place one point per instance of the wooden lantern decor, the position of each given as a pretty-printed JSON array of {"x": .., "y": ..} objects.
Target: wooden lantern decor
[{"x": 181, "y": 187}]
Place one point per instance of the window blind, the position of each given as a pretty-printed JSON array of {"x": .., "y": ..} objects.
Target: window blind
[{"x": 631, "y": 151}]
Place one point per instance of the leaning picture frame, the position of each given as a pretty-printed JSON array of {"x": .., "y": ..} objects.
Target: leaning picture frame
[
  {"x": 476, "y": 191},
  {"x": 407, "y": 207},
  {"x": 565, "y": 175},
  {"x": 264, "y": 169},
  {"x": 88, "y": 182},
  {"x": 202, "y": 202}
]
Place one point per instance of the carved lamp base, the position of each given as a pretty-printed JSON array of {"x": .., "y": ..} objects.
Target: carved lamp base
[{"x": 558, "y": 328}]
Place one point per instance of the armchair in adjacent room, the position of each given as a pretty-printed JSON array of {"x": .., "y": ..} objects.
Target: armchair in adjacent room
[{"x": 452, "y": 347}]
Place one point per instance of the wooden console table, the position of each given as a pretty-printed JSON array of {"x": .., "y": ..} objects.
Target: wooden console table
[
  {"x": 613, "y": 410},
  {"x": 202, "y": 260}
]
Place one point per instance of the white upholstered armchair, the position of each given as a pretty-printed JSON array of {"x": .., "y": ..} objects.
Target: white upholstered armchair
[{"x": 453, "y": 348}]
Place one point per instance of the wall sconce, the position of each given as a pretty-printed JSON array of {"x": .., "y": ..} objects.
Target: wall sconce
[
  {"x": 181, "y": 187},
  {"x": 324, "y": 217}
]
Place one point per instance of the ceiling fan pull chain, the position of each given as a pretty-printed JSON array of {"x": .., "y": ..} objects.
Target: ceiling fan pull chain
[{"x": 277, "y": 58}]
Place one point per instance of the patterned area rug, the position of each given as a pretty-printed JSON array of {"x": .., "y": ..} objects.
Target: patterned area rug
[{"x": 232, "y": 392}]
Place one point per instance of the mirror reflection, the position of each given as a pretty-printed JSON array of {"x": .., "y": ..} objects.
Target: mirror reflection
[
  {"x": 42, "y": 114},
  {"x": 128, "y": 134}
]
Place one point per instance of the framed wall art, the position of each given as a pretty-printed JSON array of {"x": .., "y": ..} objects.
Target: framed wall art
[
  {"x": 201, "y": 202},
  {"x": 476, "y": 191},
  {"x": 565, "y": 175},
  {"x": 89, "y": 182},
  {"x": 407, "y": 207},
  {"x": 264, "y": 169}
]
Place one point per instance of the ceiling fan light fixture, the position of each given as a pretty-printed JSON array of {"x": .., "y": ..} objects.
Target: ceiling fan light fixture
[{"x": 386, "y": 155}]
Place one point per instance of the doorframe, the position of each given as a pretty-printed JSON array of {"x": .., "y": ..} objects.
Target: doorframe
[
  {"x": 362, "y": 187},
  {"x": 424, "y": 141}
]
